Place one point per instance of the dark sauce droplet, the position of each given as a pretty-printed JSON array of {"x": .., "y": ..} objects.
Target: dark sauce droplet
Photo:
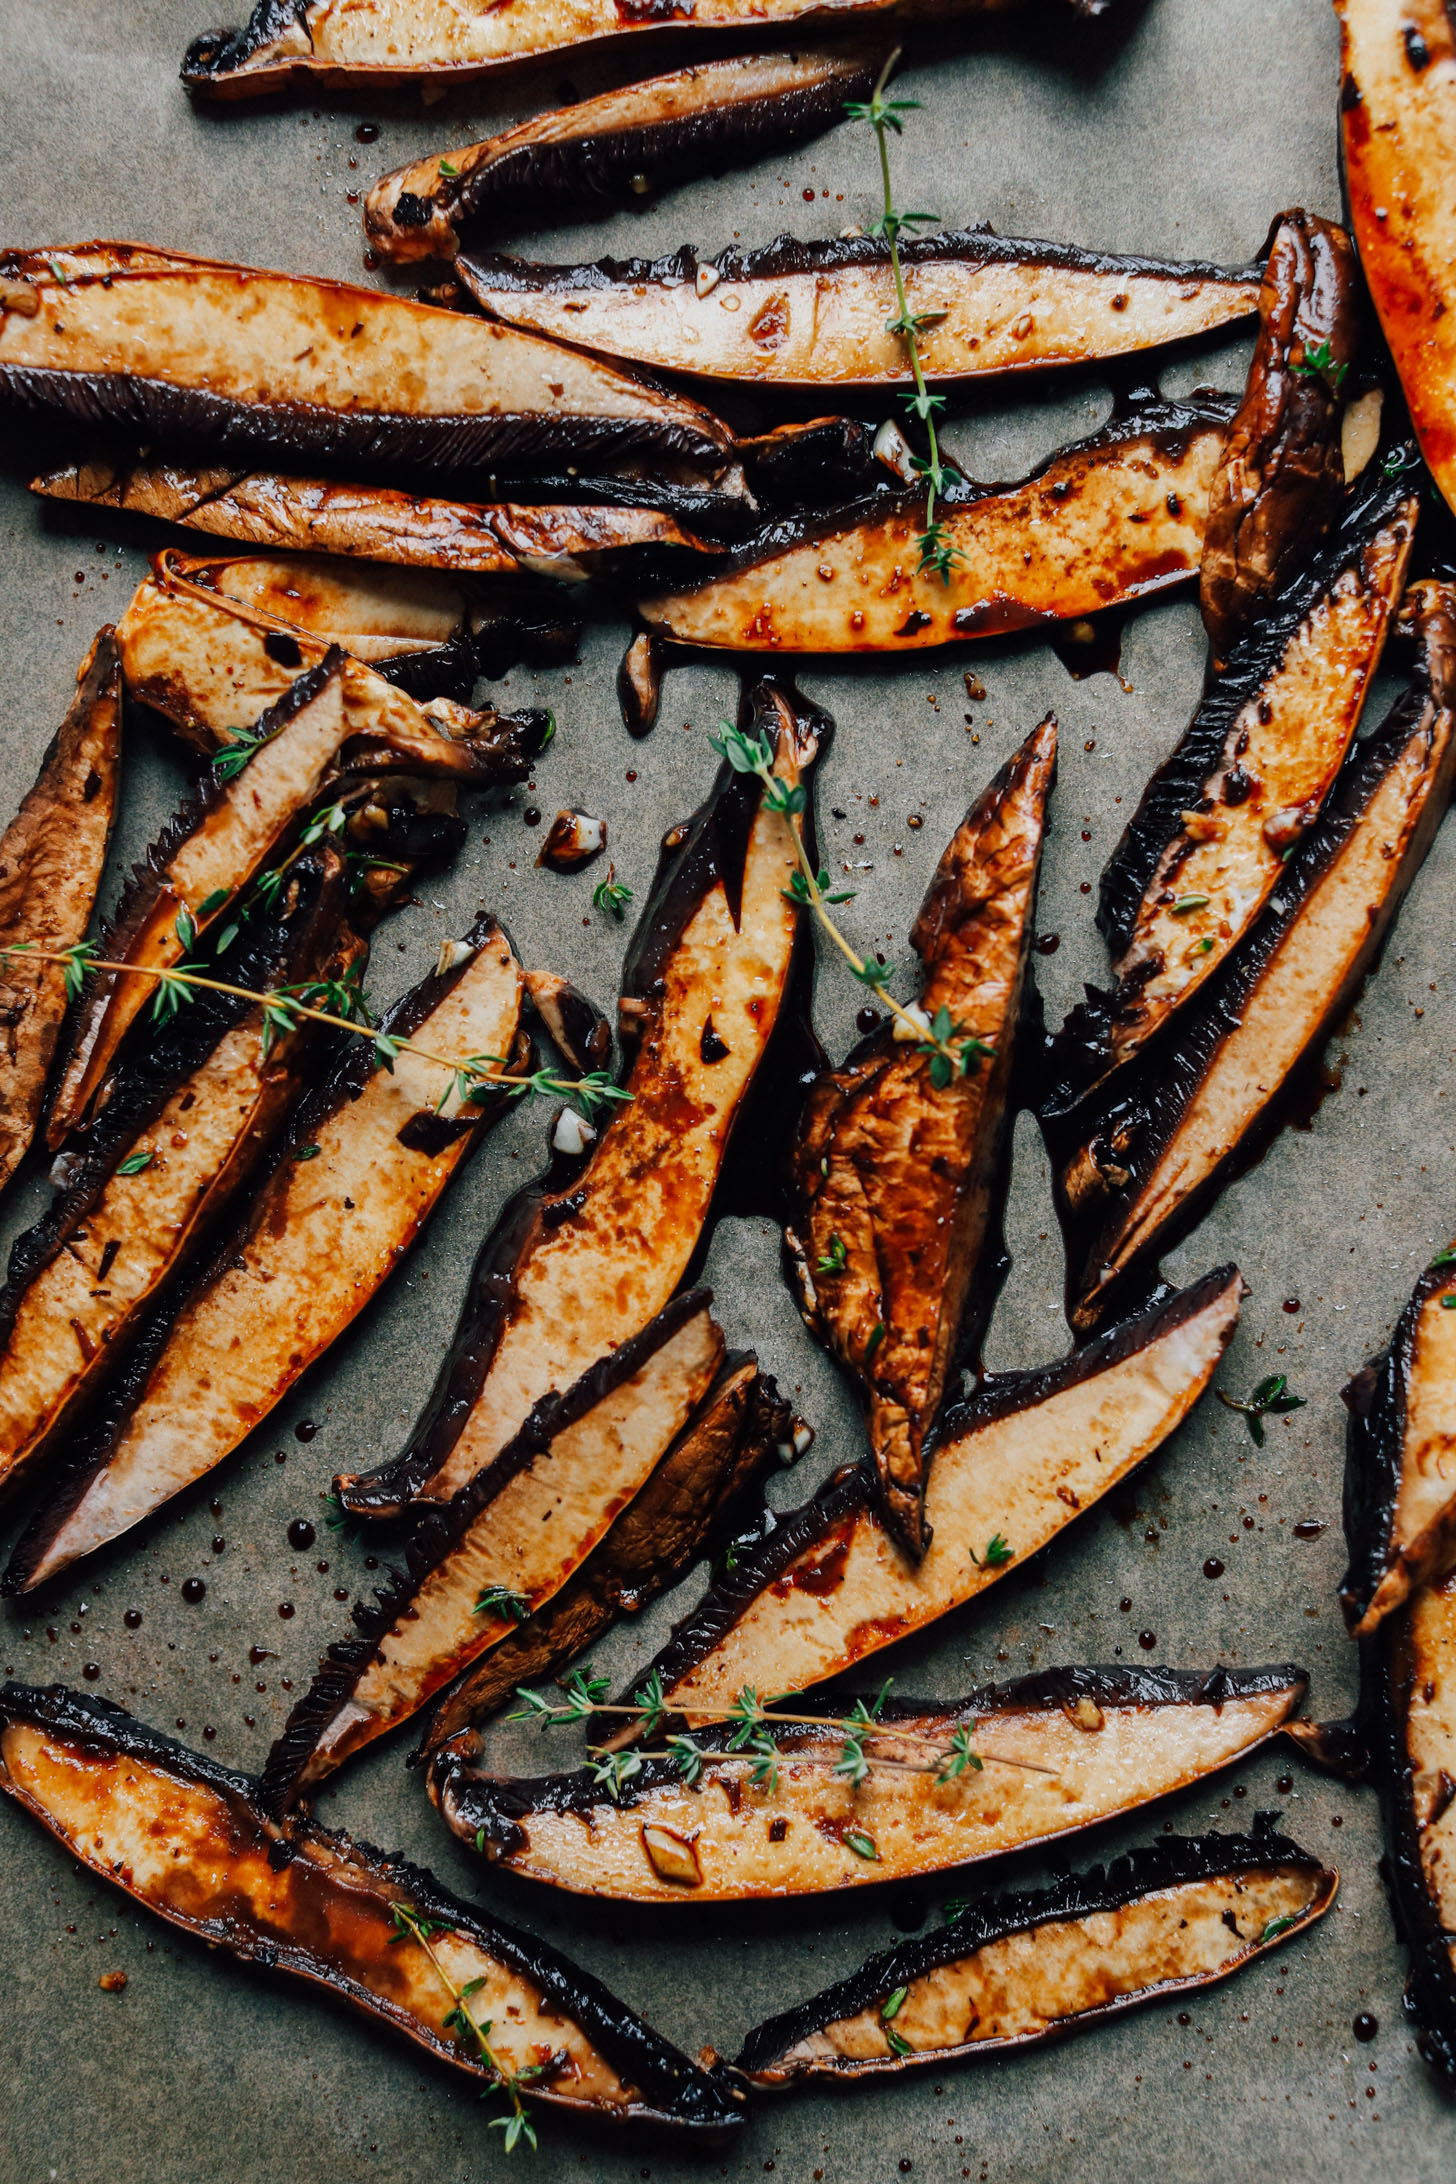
[
  {"x": 91, "y": 1671},
  {"x": 193, "y": 1589},
  {"x": 301, "y": 1533},
  {"x": 218, "y": 1543},
  {"x": 531, "y": 815},
  {"x": 1365, "y": 2026},
  {"x": 1309, "y": 1527},
  {"x": 712, "y": 1046},
  {"x": 260, "y": 1653},
  {"x": 285, "y": 1609},
  {"x": 868, "y": 1020},
  {"x": 1047, "y": 943},
  {"x": 1284, "y": 1784},
  {"x": 1291, "y": 1304},
  {"x": 1147, "y": 1639},
  {"x": 133, "y": 1619},
  {"x": 367, "y": 133},
  {"x": 1213, "y": 1567},
  {"x": 304, "y": 1430}
]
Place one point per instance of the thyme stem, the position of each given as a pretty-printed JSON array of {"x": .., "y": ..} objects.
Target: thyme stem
[
  {"x": 937, "y": 552},
  {"x": 589, "y": 1092},
  {"x": 870, "y": 1734},
  {"x": 410, "y": 1922}
]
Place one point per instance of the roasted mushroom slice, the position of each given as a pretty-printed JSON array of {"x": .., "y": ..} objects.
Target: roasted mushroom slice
[
  {"x": 570, "y": 1271},
  {"x": 1140, "y": 1165},
  {"x": 1211, "y": 839},
  {"x": 51, "y": 860},
  {"x": 367, "y": 1158},
  {"x": 1400, "y": 1470},
  {"x": 573, "y": 1023},
  {"x": 1012, "y": 1973},
  {"x": 1013, "y": 1467},
  {"x": 196, "y": 353},
  {"x": 1398, "y": 118},
  {"x": 209, "y": 662},
  {"x": 898, "y": 1160},
  {"x": 1282, "y": 477},
  {"x": 639, "y": 683},
  {"x": 506, "y": 1544},
  {"x": 380, "y": 523},
  {"x": 189, "y": 1840},
  {"x": 1409, "y": 1694},
  {"x": 742, "y": 1427},
  {"x": 620, "y": 145},
  {"x": 1115, "y": 518},
  {"x": 303, "y": 757},
  {"x": 375, "y": 42},
  {"x": 195, "y": 1105},
  {"x": 1036, "y": 1759},
  {"x": 820, "y": 315}
]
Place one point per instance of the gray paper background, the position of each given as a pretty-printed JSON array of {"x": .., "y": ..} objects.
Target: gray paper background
[{"x": 1207, "y": 119}]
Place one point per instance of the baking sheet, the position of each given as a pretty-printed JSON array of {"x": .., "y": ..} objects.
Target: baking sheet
[{"x": 1205, "y": 119}]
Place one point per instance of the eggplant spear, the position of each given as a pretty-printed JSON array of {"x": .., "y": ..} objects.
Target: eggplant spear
[
  {"x": 1142, "y": 1162},
  {"x": 275, "y": 509},
  {"x": 231, "y": 358},
  {"x": 820, "y": 315},
  {"x": 896, "y": 1174},
  {"x": 570, "y": 1271},
  {"x": 1398, "y": 120},
  {"x": 1014, "y": 1466},
  {"x": 1279, "y": 485},
  {"x": 51, "y": 860},
  {"x": 368, "y": 1157},
  {"x": 1014, "y": 1972},
  {"x": 1049, "y": 1754},
  {"x": 189, "y": 1841},
  {"x": 621, "y": 144},
  {"x": 1210, "y": 841},
  {"x": 353, "y": 43},
  {"x": 1114, "y": 518}
]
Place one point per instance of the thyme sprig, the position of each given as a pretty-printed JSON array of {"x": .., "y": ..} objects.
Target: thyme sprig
[
  {"x": 337, "y": 1003},
  {"x": 865, "y": 1740},
  {"x": 938, "y": 555},
  {"x": 1270, "y": 1399},
  {"x": 413, "y": 1925},
  {"x": 952, "y": 1051}
]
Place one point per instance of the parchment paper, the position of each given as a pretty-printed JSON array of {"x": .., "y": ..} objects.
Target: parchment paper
[{"x": 1207, "y": 119}]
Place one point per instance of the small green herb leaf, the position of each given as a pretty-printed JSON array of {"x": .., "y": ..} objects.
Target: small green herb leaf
[
  {"x": 135, "y": 1163},
  {"x": 863, "y": 1846}
]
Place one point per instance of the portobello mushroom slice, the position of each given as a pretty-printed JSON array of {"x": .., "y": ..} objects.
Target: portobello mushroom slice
[
  {"x": 353, "y": 43},
  {"x": 303, "y": 755},
  {"x": 1136, "y": 1171},
  {"x": 1178, "y": 1915},
  {"x": 1409, "y": 1703},
  {"x": 367, "y": 1157},
  {"x": 620, "y": 145},
  {"x": 208, "y": 662},
  {"x": 194, "y": 1109},
  {"x": 742, "y": 1427},
  {"x": 430, "y": 634},
  {"x": 828, "y": 1586},
  {"x": 819, "y": 314},
  {"x": 1398, "y": 123},
  {"x": 897, "y": 1166},
  {"x": 197, "y": 353},
  {"x": 51, "y": 860},
  {"x": 1114, "y": 518},
  {"x": 1058, "y": 1751},
  {"x": 1279, "y": 486},
  {"x": 1400, "y": 1471},
  {"x": 506, "y": 1544},
  {"x": 574, "y": 1269},
  {"x": 189, "y": 1840},
  {"x": 275, "y": 509},
  {"x": 1209, "y": 842}
]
